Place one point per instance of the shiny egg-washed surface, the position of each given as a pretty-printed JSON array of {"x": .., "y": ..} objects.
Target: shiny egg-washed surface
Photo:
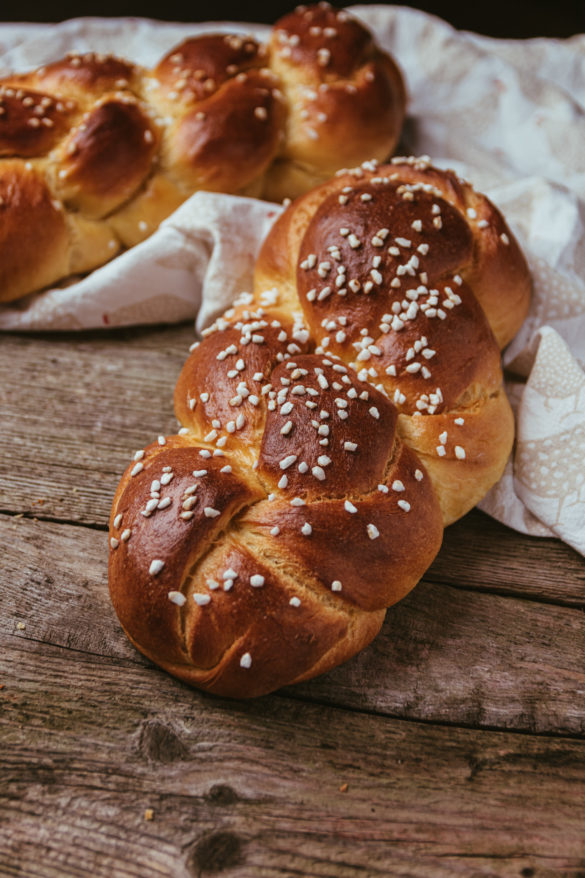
[{"x": 333, "y": 422}]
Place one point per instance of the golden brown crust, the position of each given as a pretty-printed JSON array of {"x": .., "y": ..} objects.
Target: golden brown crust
[
  {"x": 238, "y": 399},
  {"x": 354, "y": 404},
  {"x": 107, "y": 158},
  {"x": 345, "y": 415},
  {"x": 189, "y": 513},
  {"x": 26, "y": 203},
  {"x": 80, "y": 76},
  {"x": 253, "y": 619},
  {"x": 486, "y": 251},
  {"x": 203, "y": 157},
  {"x": 467, "y": 234},
  {"x": 390, "y": 265},
  {"x": 373, "y": 547},
  {"x": 342, "y": 93},
  {"x": 321, "y": 40},
  {"x": 142, "y": 215},
  {"x": 485, "y": 432},
  {"x": 31, "y": 122},
  {"x": 344, "y": 118},
  {"x": 307, "y": 516},
  {"x": 123, "y": 146},
  {"x": 199, "y": 66}
]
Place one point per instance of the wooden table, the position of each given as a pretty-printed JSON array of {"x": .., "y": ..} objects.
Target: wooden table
[{"x": 451, "y": 746}]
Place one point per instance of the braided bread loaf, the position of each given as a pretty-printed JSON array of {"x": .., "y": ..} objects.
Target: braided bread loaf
[
  {"x": 334, "y": 421},
  {"x": 95, "y": 151}
]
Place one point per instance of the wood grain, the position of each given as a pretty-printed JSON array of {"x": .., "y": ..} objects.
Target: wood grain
[
  {"x": 444, "y": 654},
  {"x": 479, "y": 552},
  {"x": 92, "y": 736},
  {"x": 74, "y": 408},
  {"x": 253, "y": 789}
]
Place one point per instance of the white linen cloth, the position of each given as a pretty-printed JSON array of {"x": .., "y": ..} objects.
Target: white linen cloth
[{"x": 507, "y": 115}]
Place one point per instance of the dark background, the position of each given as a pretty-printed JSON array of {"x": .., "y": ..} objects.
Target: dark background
[{"x": 497, "y": 18}]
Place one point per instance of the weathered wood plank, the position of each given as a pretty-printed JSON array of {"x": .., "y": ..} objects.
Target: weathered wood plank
[
  {"x": 254, "y": 789},
  {"x": 480, "y": 660},
  {"x": 444, "y": 654},
  {"x": 74, "y": 408},
  {"x": 479, "y": 552},
  {"x": 54, "y": 581},
  {"x": 73, "y": 411}
]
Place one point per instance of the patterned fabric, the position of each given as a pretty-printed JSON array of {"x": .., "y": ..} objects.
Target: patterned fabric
[{"x": 543, "y": 490}]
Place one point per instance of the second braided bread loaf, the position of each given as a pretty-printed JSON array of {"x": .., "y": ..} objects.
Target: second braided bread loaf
[{"x": 96, "y": 151}]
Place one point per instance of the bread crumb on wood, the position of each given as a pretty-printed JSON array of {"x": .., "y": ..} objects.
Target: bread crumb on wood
[
  {"x": 343, "y": 788},
  {"x": 149, "y": 814},
  {"x": 21, "y": 626}
]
